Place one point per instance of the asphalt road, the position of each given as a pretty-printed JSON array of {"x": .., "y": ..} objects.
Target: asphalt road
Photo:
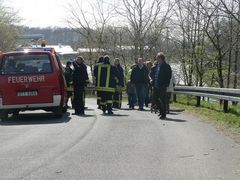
[{"x": 130, "y": 144}]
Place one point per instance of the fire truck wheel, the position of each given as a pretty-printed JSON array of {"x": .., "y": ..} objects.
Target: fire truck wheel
[
  {"x": 64, "y": 109},
  {"x": 15, "y": 113},
  {"x": 3, "y": 116},
  {"x": 58, "y": 112}
]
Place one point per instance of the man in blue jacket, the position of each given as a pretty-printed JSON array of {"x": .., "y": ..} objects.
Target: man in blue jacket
[
  {"x": 160, "y": 75},
  {"x": 140, "y": 78}
]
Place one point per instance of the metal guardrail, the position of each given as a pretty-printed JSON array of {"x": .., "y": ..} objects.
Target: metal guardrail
[
  {"x": 90, "y": 89},
  {"x": 224, "y": 94}
]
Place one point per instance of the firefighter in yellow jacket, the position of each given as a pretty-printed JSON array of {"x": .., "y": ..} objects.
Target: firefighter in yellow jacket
[
  {"x": 106, "y": 76},
  {"x": 100, "y": 61}
]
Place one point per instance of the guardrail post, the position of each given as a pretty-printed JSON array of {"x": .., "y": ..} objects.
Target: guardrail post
[
  {"x": 174, "y": 97},
  {"x": 198, "y": 101},
  {"x": 225, "y": 106}
]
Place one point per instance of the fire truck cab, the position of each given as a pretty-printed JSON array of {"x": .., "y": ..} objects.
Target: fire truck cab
[{"x": 31, "y": 79}]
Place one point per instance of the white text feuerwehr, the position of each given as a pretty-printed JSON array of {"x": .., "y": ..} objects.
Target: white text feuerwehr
[{"x": 25, "y": 79}]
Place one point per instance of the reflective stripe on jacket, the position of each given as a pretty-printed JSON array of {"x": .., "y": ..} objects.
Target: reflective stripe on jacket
[{"x": 105, "y": 77}]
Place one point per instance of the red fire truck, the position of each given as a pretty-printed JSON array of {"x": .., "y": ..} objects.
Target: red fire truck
[{"x": 31, "y": 79}]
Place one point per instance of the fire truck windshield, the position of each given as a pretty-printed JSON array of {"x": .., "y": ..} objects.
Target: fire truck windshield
[{"x": 26, "y": 64}]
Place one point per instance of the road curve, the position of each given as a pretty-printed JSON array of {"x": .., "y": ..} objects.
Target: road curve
[{"x": 130, "y": 144}]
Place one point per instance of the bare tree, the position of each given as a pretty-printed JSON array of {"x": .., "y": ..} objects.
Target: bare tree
[
  {"x": 90, "y": 25},
  {"x": 79, "y": 22},
  {"x": 232, "y": 8},
  {"x": 141, "y": 16},
  {"x": 217, "y": 37},
  {"x": 236, "y": 53},
  {"x": 102, "y": 13},
  {"x": 223, "y": 32},
  {"x": 191, "y": 40},
  {"x": 120, "y": 44}
]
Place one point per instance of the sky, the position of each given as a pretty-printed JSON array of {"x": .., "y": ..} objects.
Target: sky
[
  {"x": 46, "y": 13},
  {"x": 40, "y": 13}
]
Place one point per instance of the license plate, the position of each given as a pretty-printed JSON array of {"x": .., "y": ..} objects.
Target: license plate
[{"x": 27, "y": 93}]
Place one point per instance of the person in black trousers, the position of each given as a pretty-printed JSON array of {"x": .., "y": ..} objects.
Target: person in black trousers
[
  {"x": 69, "y": 81},
  {"x": 140, "y": 78},
  {"x": 100, "y": 61},
  {"x": 106, "y": 76},
  {"x": 80, "y": 79},
  {"x": 117, "y": 96},
  {"x": 160, "y": 75}
]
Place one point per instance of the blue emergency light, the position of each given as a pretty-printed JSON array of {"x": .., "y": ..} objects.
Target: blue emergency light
[{"x": 27, "y": 49}]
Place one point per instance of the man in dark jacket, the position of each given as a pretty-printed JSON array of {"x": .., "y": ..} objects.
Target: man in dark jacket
[
  {"x": 106, "y": 76},
  {"x": 80, "y": 79},
  {"x": 160, "y": 75},
  {"x": 140, "y": 78}
]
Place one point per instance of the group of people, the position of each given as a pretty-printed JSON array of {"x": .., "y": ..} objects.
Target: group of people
[
  {"x": 148, "y": 83},
  {"x": 109, "y": 82}
]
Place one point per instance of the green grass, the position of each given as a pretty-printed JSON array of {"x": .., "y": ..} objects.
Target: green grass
[{"x": 212, "y": 111}]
